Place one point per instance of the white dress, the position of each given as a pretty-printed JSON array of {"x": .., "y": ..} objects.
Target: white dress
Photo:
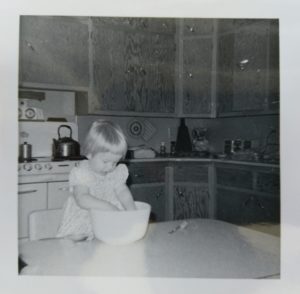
[{"x": 76, "y": 221}]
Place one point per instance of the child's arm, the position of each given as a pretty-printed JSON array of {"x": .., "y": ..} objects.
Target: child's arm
[
  {"x": 125, "y": 197},
  {"x": 87, "y": 201}
]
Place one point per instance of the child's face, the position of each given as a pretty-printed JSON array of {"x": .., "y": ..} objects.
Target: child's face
[{"x": 104, "y": 162}]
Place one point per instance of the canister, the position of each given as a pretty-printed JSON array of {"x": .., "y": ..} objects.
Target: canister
[{"x": 25, "y": 151}]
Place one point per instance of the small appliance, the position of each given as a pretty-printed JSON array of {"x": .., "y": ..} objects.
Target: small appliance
[{"x": 27, "y": 112}]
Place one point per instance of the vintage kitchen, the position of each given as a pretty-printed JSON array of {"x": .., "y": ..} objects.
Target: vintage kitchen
[{"x": 198, "y": 100}]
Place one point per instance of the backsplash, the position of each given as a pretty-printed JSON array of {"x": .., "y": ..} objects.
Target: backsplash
[
  {"x": 157, "y": 130},
  {"x": 254, "y": 128}
]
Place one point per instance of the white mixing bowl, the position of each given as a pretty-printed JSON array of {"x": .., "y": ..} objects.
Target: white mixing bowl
[{"x": 121, "y": 227}]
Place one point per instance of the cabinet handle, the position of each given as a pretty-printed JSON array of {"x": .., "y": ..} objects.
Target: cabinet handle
[
  {"x": 27, "y": 192},
  {"x": 64, "y": 189},
  {"x": 137, "y": 175},
  {"x": 190, "y": 75},
  {"x": 157, "y": 195},
  {"x": 253, "y": 198},
  {"x": 243, "y": 63},
  {"x": 191, "y": 29},
  {"x": 180, "y": 193}
]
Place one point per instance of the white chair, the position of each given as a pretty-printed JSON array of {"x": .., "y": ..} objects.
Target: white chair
[{"x": 43, "y": 224}]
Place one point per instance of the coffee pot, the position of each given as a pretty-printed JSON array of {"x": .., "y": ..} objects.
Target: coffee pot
[{"x": 65, "y": 147}]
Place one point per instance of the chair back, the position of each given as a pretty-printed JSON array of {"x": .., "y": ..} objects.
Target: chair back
[{"x": 43, "y": 224}]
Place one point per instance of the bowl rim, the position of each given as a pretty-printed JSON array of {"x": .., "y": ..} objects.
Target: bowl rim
[{"x": 145, "y": 206}]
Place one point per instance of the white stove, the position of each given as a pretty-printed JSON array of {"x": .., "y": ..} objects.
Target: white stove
[
  {"x": 44, "y": 169},
  {"x": 42, "y": 182}
]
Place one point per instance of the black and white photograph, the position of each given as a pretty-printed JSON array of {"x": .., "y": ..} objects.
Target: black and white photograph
[
  {"x": 150, "y": 151},
  {"x": 149, "y": 147}
]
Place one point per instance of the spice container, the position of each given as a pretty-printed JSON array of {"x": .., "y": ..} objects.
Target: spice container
[
  {"x": 173, "y": 148},
  {"x": 162, "y": 149}
]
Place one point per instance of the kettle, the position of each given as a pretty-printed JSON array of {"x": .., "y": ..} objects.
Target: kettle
[{"x": 65, "y": 147}]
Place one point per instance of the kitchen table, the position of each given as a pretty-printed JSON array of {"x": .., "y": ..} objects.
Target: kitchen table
[{"x": 204, "y": 248}]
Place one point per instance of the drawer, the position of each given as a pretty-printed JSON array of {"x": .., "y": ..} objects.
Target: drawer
[
  {"x": 146, "y": 172},
  {"x": 191, "y": 172},
  {"x": 235, "y": 177}
]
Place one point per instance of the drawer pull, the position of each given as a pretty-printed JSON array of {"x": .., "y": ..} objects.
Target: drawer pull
[
  {"x": 253, "y": 198},
  {"x": 27, "y": 192},
  {"x": 157, "y": 195},
  {"x": 137, "y": 175},
  {"x": 64, "y": 189},
  {"x": 180, "y": 193}
]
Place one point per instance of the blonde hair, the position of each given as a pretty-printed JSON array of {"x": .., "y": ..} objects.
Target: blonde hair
[{"x": 105, "y": 136}]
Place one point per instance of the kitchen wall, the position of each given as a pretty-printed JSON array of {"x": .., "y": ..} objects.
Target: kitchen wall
[
  {"x": 255, "y": 128},
  {"x": 164, "y": 129}
]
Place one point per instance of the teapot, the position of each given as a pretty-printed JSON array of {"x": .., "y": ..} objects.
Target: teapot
[{"x": 65, "y": 147}]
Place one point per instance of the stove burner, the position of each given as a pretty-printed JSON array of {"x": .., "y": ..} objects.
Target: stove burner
[{"x": 77, "y": 157}]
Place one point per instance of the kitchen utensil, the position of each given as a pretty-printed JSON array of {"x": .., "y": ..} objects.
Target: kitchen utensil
[
  {"x": 25, "y": 151},
  {"x": 65, "y": 147}
]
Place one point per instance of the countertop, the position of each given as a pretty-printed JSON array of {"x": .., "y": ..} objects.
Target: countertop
[
  {"x": 200, "y": 159},
  {"x": 205, "y": 248}
]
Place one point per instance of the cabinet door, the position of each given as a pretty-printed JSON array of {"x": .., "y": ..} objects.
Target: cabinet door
[
  {"x": 273, "y": 93},
  {"x": 250, "y": 79},
  {"x": 197, "y": 26},
  {"x": 31, "y": 197},
  {"x": 191, "y": 201},
  {"x": 54, "y": 51},
  {"x": 155, "y": 196},
  {"x": 58, "y": 192},
  {"x": 133, "y": 69},
  {"x": 247, "y": 74},
  {"x": 197, "y": 76},
  {"x": 245, "y": 208}
]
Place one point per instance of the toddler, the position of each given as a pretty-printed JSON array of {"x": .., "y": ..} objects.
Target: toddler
[{"x": 97, "y": 182}]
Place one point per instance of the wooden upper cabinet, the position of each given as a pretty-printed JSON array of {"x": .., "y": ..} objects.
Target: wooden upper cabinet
[
  {"x": 54, "y": 52},
  {"x": 198, "y": 26},
  {"x": 133, "y": 70},
  {"x": 196, "y": 66},
  {"x": 247, "y": 67},
  {"x": 197, "y": 76},
  {"x": 137, "y": 24}
]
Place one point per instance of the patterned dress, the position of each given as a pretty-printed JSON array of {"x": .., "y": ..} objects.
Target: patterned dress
[{"x": 75, "y": 220}]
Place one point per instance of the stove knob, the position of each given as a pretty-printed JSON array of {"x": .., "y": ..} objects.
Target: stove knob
[
  {"x": 27, "y": 166},
  {"x": 37, "y": 166},
  {"x": 48, "y": 166}
]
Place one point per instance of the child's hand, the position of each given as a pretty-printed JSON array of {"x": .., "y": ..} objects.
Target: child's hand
[{"x": 125, "y": 197}]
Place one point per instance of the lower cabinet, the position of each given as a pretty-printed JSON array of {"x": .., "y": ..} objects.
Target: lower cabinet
[
  {"x": 39, "y": 196},
  {"x": 247, "y": 194},
  {"x": 31, "y": 197},
  {"x": 190, "y": 202},
  {"x": 246, "y": 208},
  {"x": 155, "y": 196},
  {"x": 58, "y": 192}
]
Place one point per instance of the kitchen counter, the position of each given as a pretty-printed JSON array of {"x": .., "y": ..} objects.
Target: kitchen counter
[
  {"x": 205, "y": 248},
  {"x": 197, "y": 159}
]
